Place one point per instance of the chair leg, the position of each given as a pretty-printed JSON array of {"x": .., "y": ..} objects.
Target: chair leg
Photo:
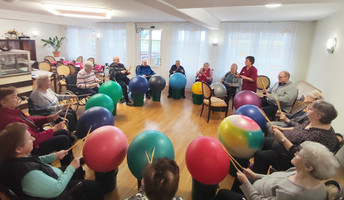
[
  {"x": 208, "y": 113},
  {"x": 226, "y": 111},
  {"x": 202, "y": 110}
]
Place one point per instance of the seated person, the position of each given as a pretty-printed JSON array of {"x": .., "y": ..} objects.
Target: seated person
[
  {"x": 161, "y": 180},
  {"x": 205, "y": 74},
  {"x": 120, "y": 74},
  {"x": 29, "y": 176},
  {"x": 46, "y": 141},
  {"x": 299, "y": 116},
  {"x": 286, "y": 93},
  {"x": 145, "y": 71},
  {"x": 176, "y": 68},
  {"x": 279, "y": 150},
  {"x": 46, "y": 102},
  {"x": 312, "y": 164},
  {"x": 231, "y": 81},
  {"x": 87, "y": 81}
]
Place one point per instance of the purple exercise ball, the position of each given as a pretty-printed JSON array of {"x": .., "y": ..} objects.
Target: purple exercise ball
[{"x": 246, "y": 97}]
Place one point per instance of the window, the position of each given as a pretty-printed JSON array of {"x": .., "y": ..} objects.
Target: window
[{"x": 150, "y": 46}]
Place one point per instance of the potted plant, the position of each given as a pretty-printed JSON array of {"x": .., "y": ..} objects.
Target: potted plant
[{"x": 55, "y": 42}]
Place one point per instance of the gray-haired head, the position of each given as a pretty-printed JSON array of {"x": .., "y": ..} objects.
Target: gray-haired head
[
  {"x": 327, "y": 111},
  {"x": 41, "y": 79},
  {"x": 323, "y": 162},
  {"x": 88, "y": 65},
  {"x": 316, "y": 95}
]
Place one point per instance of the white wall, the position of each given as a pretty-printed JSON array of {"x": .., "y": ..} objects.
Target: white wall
[{"x": 326, "y": 70}]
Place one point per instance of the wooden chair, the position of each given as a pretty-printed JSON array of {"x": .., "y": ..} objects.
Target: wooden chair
[
  {"x": 263, "y": 81},
  {"x": 44, "y": 66},
  {"x": 62, "y": 72},
  {"x": 91, "y": 59},
  {"x": 50, "y": 58},
  {"x": 59, "y": 63},
  {"x": 80, "y": 59},
  {"x": 72, "y": 68},
  {"x": 334, "y": 190},
  {"x": 213, "y": 103}
]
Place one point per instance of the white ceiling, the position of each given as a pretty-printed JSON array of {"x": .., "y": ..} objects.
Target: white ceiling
[{"x": 207, "y": 13}]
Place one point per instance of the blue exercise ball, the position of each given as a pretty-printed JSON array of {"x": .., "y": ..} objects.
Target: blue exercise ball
[
  {"x": 177, "y": 81},
  {"x": 252, "y": 112},
  {"x": 219, "y": 89},
  {"x": 96, "y": 117},
  {"x": 138, "y": 85},
  {"x": 157, "y": 83}
]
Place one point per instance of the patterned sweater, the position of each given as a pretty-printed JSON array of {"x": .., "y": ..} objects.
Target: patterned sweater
[{"x": 84, "y": 79}]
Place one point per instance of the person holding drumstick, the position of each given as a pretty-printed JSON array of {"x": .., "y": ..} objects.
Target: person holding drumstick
[{"x": 205, "y": 74}]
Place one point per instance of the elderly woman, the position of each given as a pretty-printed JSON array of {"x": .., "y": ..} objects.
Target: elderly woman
[
  {"x": 231, "y": 81},
  {"x": 313, "y": 163},
  {"x": 32, "y": 176},
  {"x": 205, "y": 74},
  {"x": 87, "y": 81},
  {"x": 46, "y": 102},
  {"x": 46, "y": 141},
  {"x": 279, "y": 150}
]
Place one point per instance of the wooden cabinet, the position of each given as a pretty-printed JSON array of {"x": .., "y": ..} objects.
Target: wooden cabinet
[{"x": 28, "y": 45}]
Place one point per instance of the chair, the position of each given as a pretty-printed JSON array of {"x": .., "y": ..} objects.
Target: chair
[
  {"x": 213, "y": 103},
  {"x": 6, "y": 193},
  {"x": 263, "y": 81},
  {"x": 50, "y": 58},
  {"x": 334, "y": 190},
  {"x": 91, "y": 59},
  {"x": 59, "y": 63},
  {"x": 80, "y": 59},
  {"x": 44, "y": 66},
  {"x": 72, "y": 68},
  {"x": 63, "y": 70}
]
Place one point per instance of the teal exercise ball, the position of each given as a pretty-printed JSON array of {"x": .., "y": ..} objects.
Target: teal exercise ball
[
  {"x": 145, "y": 142},
  {"x": 177, "y": 81},
  {"x": 101, "y": 100},
  {"x": 112, "y": 89}
]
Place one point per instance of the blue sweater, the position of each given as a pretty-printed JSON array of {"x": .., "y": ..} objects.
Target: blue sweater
[{"x": 145, "y": 70}]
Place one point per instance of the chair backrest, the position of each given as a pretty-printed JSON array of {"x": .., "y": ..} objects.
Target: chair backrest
[
  {"x": 59, "y": 63},
  {"x": 6, "y": 193},
  {"x": 44, "y": 66},
  {"x": 63, "y": 70},
  {"x": 80, "y": 59},
  {"x": 50, "y": 58},
  {"x": 91, "y": 59},
  {"x": 206, "y": 89},
  {"x": 334, "y": 190},
  {"x": 263, "y": 81},
  {"x": 137, "y": 67},
  {"x": 72, "y": 68}
]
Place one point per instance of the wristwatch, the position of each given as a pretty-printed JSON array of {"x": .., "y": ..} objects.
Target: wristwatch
[{"x": 283, "y": 139}]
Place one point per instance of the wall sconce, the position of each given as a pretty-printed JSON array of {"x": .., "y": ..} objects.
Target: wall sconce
[
  {"x": 98, "y": 35},
  {"x": 215, "y": 41},
  {"x": 34, "y": 33},
  {"x": 331, "y": 44}
]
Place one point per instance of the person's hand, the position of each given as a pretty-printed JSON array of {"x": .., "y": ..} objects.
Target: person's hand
[
  {"x": 65, "y": 106},
  {"x": 73, "y": 96},
  {"x": 92, "y": 85},
  {"x": 61, "y": 154},
  {"x": 75, "y": 163},
  {"x": 283, "y": 117},
  {"x": 144, "y": 75},
  {"x": 123, "y": 71},
  {"x": 278, "y": 134},
  {"x": 229, "y": 84},
  {"x": 174, "y": 72},
  {"x": 128, "y": 72},
  {"x": 53, "y": 118},
  {"x": 59, "y": 126},
  {"x": 182, "y": 71},
  {"x": 264, "y": 91},
  {"x": 241, "y": 177},
  {"x": 250, "y": 174}
]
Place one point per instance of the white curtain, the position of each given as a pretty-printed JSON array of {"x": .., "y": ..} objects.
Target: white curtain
[
  {"x": 81, "y": 42},
  {"x": 270, "y": 43},
  {"x": 112, "y": 42}
]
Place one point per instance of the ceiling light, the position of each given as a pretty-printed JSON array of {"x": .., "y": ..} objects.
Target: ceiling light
[
  {"x": 273, "y": 5},
  {"x": 78, "y": 11}
]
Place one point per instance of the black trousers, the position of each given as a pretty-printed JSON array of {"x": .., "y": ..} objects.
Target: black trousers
[
  {"x": 170, "y": 91},
  {"x": 60, "y": 141},
  {"x": 72, "y": 119},
  {"x": 270, "y": 108},
  {"x": 91, "y": 91},
  {"x": 123, "y": 82},
  {"x": 224, "y": 194},
  {"x": 230, "y": 92}
]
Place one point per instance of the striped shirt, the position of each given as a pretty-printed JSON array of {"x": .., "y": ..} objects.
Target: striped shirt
[{"x": 84, "y": 79}]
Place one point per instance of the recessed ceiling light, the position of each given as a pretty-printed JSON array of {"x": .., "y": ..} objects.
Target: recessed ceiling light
[
  {"x": 273, "y": 5},
  {"x": 78, "y": 11}
]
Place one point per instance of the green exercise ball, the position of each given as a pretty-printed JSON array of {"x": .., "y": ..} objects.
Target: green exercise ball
[
  {"x": 112, "y": 89},
  {"x": 101, "y": 100},
  {"x": 145, "y": 142}
]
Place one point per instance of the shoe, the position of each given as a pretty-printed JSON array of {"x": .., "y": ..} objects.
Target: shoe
[
  {"x": 129, "y": 103},
  {"x": 148, "y": 96},
  {"x": 82, "y": 161},
  {"x": 169, "y": 96},
  {"x": 122, "y": 100},
  {"x": 183, "y": 97}
]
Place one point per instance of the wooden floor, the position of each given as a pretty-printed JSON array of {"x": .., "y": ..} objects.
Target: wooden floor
[{"x": 179, "y": 120}]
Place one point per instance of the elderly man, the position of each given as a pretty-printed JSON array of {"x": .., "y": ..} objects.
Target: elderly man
[
  {"x": 284, "y": 91},
  {"x": 177, "y": 68},
  {"x": 231, "y": 82},
  {"x": 249, "y": 75},
  {"x": 145, "y": 71},
  {"x": 119, "y": 73},
  {"x": 87, "y": 81}
]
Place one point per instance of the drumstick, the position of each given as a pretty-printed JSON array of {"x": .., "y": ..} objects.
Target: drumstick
[
  {"x": 147, "y": 157},
  {"x": 263, "y": 83},
  {"x": 266, "y": 117},
  {"x": 278, "y": 104},
  {"x": 84, "y": 138},
  {"x": 64, "y": 119},
  {"x": 235, "y": 161},
  {"x": 152, "y": 155}
]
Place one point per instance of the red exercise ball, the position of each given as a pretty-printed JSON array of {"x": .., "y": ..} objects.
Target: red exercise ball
[
  {"x": 206, "y": 161},
  {"x": 105, "y": 149}
]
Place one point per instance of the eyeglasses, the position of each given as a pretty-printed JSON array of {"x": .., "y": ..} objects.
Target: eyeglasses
[{"x": 281, "y": 76}]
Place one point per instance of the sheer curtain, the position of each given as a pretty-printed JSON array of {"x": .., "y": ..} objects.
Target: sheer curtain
[
  {"x": 112, "y": 42},
  {"x": 81, "y": 42},
  {"x": 270, "y": 43}
]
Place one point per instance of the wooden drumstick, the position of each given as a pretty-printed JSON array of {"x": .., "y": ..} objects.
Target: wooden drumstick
[
  {"x": 70, "y": 104},
  {"x": 278, "y": 104},
  {"x": 235, "y": 162},
  {"x": 83, "y": 139},
  {"x": 266, "y": 117}
]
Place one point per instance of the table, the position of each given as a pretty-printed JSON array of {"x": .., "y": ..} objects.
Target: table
[{"x": 96, "y": 67}]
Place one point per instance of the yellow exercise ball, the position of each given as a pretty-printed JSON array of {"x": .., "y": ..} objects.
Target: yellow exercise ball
[{"x": 197, "y": 88}]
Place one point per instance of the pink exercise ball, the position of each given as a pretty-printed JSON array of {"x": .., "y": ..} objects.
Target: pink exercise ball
[
  {"x": 247, "y": 97},
  {"x": 105, "y": 149}
]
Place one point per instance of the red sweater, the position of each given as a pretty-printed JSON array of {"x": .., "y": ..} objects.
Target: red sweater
[
  {"x": 8, "y": 116},
  {"x": 251, "y": 73}
]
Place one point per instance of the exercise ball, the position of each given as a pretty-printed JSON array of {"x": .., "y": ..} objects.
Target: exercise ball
[
  {"x": 241, "y": 136},
  {"x": 206, "y": 161},
  {"x": 219, "y": 89},
  {"x": 197, "y": 88},
  {"x": 177, "y": 81},
  {"x": 145, "y": 142},
  {"x": 157, "y": 83},
  {"x": 247, "y": 97},
  {"x": 105, "y": 149},
  {"x": 138, "y": 85},
  {"x": 101, "y": 100},
  {"x": 254, "y": 113},
  {"x": 95, "y": 117},
  {"x": 112, "y": 89}
]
